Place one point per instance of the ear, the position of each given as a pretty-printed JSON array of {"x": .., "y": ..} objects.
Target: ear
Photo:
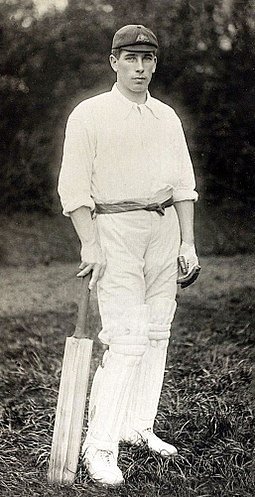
[
  {"x": 155, "y": 64},
  {"x": 113, "y": 62}
]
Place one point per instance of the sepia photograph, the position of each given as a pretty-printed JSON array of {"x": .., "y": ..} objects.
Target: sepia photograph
[{"x": 127, "y": 296}]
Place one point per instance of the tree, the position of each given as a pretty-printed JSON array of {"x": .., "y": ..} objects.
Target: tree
[{"x": 49, "y": 63}]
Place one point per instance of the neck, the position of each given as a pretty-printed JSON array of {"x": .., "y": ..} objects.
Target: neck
[{"x": 137, "y": 97}]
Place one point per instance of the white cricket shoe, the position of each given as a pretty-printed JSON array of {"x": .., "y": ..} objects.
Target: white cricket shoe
[
  {"x": 102, "y": 466},
  {"x": 154, "y": 443}
]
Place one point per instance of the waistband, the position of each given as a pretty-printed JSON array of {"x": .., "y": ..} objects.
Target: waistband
[{"x": 126, "y": 206}]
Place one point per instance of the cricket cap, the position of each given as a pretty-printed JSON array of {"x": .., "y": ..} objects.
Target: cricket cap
[{"x": 135, "y": 37}]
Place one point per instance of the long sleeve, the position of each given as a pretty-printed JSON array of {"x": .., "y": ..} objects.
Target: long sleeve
[
  {"x": 185, "y": 189},
  {"x": 74, "y": 185}
]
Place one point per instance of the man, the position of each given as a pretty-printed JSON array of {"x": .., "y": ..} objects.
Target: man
[{"x": 126, "y": 161}]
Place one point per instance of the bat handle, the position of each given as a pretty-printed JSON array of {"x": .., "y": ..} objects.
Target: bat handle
[{"x": 80, "y": 327}]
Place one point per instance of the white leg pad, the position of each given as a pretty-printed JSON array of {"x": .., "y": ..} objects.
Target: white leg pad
[
  {"x": 124, "y": 321},
  {"x": 113, "y": 383},
  {"x": 145, "y": 397}
]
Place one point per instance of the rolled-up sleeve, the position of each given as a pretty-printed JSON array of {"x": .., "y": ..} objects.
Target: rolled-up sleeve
[
  {"x": 185, "y": 188},
  {"x": 74, "y": 184}
]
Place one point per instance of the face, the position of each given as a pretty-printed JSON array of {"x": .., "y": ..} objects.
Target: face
[{"x": 134, "y": 70}]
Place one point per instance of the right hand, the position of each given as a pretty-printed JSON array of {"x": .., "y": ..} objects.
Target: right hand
[{"x": 92, "y": 260}]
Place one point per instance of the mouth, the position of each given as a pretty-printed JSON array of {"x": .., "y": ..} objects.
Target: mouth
[{"x": 139, "y": 79}]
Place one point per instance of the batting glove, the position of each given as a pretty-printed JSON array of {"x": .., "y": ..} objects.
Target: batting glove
[{"x": 188, "y": 264}]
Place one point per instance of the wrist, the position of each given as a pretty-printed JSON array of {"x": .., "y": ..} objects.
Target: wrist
[
  {"x": 91, "y": 252},
  {"x": 189, "y": 242}
]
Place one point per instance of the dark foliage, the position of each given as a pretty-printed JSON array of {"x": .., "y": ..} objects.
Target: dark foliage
[{"x": 51, "y": 62}]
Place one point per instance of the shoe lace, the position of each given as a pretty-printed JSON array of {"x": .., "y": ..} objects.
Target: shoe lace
[
  {"x": 148, "y": 431},
  {"x": 107, "y": 456}
]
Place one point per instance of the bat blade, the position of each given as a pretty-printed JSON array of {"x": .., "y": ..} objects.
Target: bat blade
[{"x": 70, "y": 410}]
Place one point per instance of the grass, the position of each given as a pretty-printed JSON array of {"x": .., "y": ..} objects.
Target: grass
[{"x": 206, "y": 407}]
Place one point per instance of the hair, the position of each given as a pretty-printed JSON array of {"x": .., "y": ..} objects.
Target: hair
[{"x": 116, "y": 52}]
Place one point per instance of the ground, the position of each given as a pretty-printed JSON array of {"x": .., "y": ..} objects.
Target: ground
[{"x": 206, "y": 404}]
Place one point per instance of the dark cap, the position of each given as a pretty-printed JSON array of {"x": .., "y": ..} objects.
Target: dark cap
[{"x": 135, "y": 37}]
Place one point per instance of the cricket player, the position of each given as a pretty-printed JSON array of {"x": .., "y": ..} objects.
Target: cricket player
[{"x": 127, "y": 183}]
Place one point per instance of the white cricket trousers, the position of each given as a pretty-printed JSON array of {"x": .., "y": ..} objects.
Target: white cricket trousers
[{"x": 136, "y": 297}]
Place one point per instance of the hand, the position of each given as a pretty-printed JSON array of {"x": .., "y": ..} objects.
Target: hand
[
  {"x": 92, "y": 260},
  {"x": 189, "y": 267}
]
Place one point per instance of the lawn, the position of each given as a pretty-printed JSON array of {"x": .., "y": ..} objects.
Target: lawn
[{"x": 206, "y": 407}]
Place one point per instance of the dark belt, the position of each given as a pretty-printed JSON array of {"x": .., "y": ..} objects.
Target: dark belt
[{"x": 127, "y": 205}]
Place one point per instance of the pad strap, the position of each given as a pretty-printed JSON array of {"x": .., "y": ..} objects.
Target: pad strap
[{"x": 129, "y": 345}]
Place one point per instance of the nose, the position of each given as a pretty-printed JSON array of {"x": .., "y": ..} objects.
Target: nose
[{"x": 139, "y": 65}]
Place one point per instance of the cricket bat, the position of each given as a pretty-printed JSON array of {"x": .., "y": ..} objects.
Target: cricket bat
[{"x": 71, "y": 398}]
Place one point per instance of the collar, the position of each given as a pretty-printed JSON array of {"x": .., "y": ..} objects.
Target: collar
[{"x": 126, "y": 105}]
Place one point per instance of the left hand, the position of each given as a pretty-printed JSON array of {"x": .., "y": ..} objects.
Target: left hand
[{"x": 188, "y": 263}]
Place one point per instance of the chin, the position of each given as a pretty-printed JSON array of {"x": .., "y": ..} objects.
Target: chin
[
  {"x": 140, "y": 90},
  {"x": 139, "y": 87}
]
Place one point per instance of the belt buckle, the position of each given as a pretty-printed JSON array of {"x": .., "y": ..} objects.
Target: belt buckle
[{"x": 160, "y": 209}]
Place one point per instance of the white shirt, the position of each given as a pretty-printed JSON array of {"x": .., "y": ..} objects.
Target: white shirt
[{"x": 118, "y": 150}]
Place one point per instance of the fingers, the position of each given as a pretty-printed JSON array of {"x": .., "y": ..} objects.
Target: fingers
[
  {"x": 97, "y": 272},
  {"x": 84, "y": 270},
  {"x": 189, "y": 267},
  {"x": 95, "y": 276},
  {"x": 188, "y": 280}
]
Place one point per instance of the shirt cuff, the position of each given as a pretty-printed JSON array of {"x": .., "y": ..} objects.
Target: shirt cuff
[
  {"x": 72, "y": 205},
  {"x": 185, "y": 194}
]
